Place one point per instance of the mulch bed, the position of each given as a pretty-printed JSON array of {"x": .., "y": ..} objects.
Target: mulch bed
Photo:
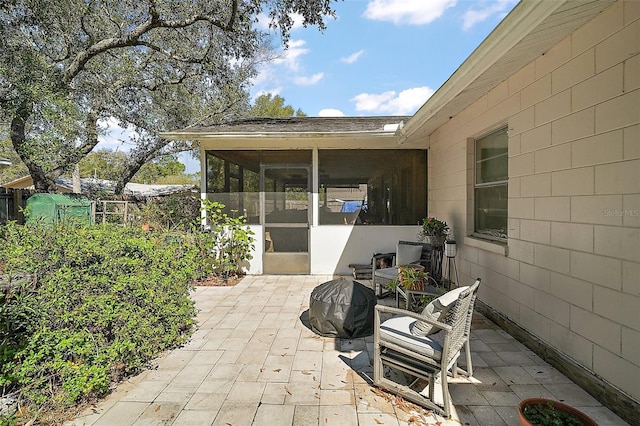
[{"x": 218, "y": 281}]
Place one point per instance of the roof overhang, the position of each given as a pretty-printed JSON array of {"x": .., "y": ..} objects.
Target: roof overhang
[
  {"x": 194, "y": 135},
  {"x": 297, "y": 132},
  {"x": 530, "y": 30},
  {"x": 25, "y": 182}
]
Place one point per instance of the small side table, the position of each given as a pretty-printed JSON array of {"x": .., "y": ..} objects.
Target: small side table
[{"x": 431, "y": 290}]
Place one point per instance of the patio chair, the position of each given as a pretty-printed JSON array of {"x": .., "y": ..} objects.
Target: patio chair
[
  {"x": 425, "y": 345},
  {"x": 407, "y": 252}
]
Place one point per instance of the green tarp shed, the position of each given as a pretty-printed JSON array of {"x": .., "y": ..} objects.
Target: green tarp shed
[{"x": 56, "y": 208}]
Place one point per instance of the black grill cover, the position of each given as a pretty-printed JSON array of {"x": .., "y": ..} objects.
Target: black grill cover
[{"x": 342, "y": 308}]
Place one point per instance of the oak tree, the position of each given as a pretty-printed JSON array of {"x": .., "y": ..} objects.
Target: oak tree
[
  {"x": 69, "y": 66},
  {"x": 268, "y": 105}
]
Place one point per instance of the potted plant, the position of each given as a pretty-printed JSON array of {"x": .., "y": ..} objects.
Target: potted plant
[
  {"x": 434, "y": 231},
  {"x": 414, "y": 278},
  {"x": 411, "y": 277},
  {"x": 547, "y": 412}
]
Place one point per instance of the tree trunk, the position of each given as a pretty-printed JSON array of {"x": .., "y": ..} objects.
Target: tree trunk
[
  {"x": 42, "y": 182},
  {"x": 134, "y": 164},
  {"x": 75, "y": 177}
]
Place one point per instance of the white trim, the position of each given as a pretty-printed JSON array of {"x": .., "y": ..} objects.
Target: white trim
[
  {"x": 486, "y": 245},
  {"x": 184, "y": 135},
  {"x": 315, "y": 183}
]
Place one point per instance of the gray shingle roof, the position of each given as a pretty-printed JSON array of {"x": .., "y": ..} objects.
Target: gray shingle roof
[
  {"x": 131, "y": 188},
  {"x": 299, "y": 125}
]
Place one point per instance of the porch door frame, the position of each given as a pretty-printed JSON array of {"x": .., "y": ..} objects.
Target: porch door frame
[{"x": 286, "y": 262}]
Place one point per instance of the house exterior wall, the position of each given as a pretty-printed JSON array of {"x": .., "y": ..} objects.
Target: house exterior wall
[
  {"x": 570, "y": 272},
  {"x": 333, "y": 248}
]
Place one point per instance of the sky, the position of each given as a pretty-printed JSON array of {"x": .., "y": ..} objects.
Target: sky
[{"x": 378, "y": 57}]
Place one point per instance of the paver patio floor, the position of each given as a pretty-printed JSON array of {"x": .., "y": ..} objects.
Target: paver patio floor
[{"x": 254, "y": 361}]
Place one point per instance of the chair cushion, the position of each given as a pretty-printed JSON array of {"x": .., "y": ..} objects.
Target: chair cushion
[
  {"x": 389, "y": 273},
  {"x": 437, "y": 310},
  {"x": 398, "y": 330},
  {"x": 408, "y": 253}
]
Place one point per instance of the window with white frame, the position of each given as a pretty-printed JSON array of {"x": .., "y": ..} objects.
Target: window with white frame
[{"x": 491, "y": 185}]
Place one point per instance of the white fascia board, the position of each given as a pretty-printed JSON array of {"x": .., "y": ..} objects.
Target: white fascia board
[
  {"x": 524, "y": 18},
  {"x": 273, "y": 135}
]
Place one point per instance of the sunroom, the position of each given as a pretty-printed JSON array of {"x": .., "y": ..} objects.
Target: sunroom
[{"x": 319, "y": 193}]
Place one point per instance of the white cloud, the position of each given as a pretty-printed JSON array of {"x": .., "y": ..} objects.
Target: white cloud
[
  {"x": 113, "y": 137},
  {"x": 371, "y": 102},
  {"x": 298, "y": 19},
  {"x": 414, "y": 12},
  {"x": 309, "y": 81},
  {"x": 403, "y": 103},
  {"x": 264, "y": 20},
  {"x": 291, "y": 57},
  {"x": 283, "y": 70},
  {"x": 488, "y": 9},
  {"x": 330, "y": 112},
  {"x": 263, "y": 78},
  {"x": 352, "y": 58}
]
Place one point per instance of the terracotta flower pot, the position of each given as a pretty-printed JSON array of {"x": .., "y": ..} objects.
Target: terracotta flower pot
[{"x": 558, "y": 407}]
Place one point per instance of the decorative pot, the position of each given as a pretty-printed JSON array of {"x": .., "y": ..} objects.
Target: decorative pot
[
  {"x": 435, "y": 240},
  {"x": 560, "y": 409}
]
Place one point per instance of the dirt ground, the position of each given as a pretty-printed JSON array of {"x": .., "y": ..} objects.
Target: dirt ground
[{"x": 217, "y": 281}]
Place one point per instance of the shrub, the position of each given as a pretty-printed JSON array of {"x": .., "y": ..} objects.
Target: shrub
[
  {"x": 103, "y": 301},
  {"x": 227, "y": 246},
  {"x": 172, "y": 212}
]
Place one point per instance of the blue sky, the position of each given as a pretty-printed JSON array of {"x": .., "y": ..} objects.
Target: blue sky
[{"x": 378, "y": 57}]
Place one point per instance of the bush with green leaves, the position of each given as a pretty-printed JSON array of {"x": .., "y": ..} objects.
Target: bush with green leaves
[
  {"x": 98, "y": 304},
  {"x": 175, "y": 212},
  {"x": 227, "y": 245}
]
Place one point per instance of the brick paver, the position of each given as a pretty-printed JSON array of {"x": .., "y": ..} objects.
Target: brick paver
[{"x": 255, "y": 361}]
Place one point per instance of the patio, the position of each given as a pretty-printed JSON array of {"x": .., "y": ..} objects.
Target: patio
[{"x": 254, "y": 361}]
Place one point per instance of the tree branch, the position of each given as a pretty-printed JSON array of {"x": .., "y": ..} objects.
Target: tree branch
[
  {"x": 133, "y": 38},
  {"x": 137, "y": 159},
  {"x": 74, "y": 155},
  {"x": 221, "y": 111},
  {"x": 167, "y": 53},
  {"x": 225, "y": 26},
  {"x": 92, "y": 135}
]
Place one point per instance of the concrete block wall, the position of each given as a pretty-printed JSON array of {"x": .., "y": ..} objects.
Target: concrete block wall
[{"x": 570, "y": 272}]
